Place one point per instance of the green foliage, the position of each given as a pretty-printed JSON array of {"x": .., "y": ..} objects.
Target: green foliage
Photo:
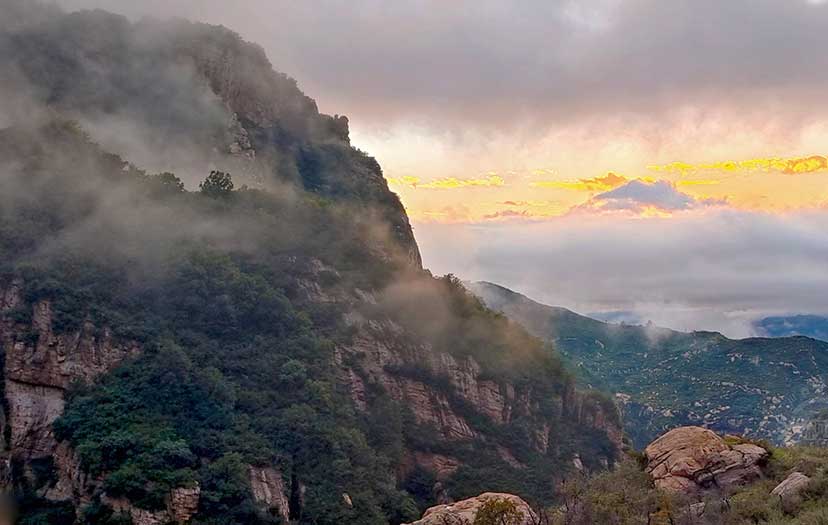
[
  {"x": 218, "y": 185},
  {"x": 498, "y": 512}
]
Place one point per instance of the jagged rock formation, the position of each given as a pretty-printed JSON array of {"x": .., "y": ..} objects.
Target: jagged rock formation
[
  {"x": 464, "y": 512},
  {"x": 694, "y": 460}
]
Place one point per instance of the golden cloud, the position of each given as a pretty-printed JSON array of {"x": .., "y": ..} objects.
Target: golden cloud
[
  {"x": 698, "y": 182},
  {"x": 490, "y": 181},
  {"x": 607, "y": 182},
  {"x": 793, "y": 165}
]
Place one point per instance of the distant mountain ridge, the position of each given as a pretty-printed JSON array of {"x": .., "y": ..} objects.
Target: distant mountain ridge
[
  {"x": 761, "y": 387},
  {"x": 813, "y": 326}
]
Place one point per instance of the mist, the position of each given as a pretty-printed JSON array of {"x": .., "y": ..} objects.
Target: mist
[{"x": 704, "y": 270}]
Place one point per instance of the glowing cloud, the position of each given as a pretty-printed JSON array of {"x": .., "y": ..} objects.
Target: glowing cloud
[
  {"x": 607, "y": 182},
  {"x": 698, "y": 182},
  {"x": 403, "y": 181},
  {"x": 794, "y": 165},
  {"x": 491, "y": 181}
]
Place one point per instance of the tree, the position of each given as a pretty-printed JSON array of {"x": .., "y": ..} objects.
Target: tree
[
  {"x": 217, "y": 185},
  {"x": 498, "y": 512}
]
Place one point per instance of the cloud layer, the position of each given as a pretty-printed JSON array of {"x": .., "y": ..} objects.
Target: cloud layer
[
  {"x": 697, "y": 270},
  {"x": 496, "y": 62}
]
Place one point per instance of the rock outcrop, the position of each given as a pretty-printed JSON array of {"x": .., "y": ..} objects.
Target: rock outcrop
[
  {"x": 792, "y": 486},
  {"x": 694, "y": 460},
  {"x": 40, "y": 364},
  {"x": 395, "y": 367},
  {"x": 464, "y": 512},
  {"x": 270, "y": 491},
  {"x": 181, "y": 506}
]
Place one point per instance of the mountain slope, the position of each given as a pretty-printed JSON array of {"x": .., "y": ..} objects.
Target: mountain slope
[
  {"x": 263, "y": 354},
  {"x": 767, "y": 388}
]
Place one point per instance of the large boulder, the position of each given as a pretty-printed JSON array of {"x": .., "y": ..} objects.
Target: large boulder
[
  {"x": 464, "y": 512},
  {"x": 792, "y": 486},
  {"x": 694, "y": 460}
]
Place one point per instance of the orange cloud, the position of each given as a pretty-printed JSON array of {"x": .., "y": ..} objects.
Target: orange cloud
[
  {"x": 793, "y": 165},
  {"x": 605, "y": 183},
  {"x": 491, "y": 181},
  {"x": 698, "y": 182}
]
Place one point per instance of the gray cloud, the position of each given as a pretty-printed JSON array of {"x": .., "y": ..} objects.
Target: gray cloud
[
  {"x": 713, "y": 270},
  {"x": 494, "y": 62},
  {"x": 636, "y": 195}
]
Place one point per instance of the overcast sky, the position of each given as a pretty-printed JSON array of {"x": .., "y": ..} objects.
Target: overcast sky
[{"x": 497, "y": 123}]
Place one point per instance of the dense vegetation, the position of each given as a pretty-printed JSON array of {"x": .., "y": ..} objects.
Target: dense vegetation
[
  {"x": 231, "y": 372},
  {"x": 765, "y": 388},
  {"x": 237, "y": 367}
]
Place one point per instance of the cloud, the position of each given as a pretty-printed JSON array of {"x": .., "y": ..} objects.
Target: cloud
[
  {"x": 607, "y": 182},
  {"x": 495, "y": 63},
  {"x": 449, "y": 183},
  {"x": 697, "y": 182},
  {"x": 640, "y": 196},
  {"x": 790, "y": 166},
  {"x": 508, "y": 214},
  {"x": 714, "y": 270}
]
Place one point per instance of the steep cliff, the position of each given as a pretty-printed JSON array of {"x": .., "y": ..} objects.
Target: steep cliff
[{"x": 261, "y": 355}]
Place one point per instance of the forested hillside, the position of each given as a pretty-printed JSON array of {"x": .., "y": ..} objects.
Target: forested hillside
[
  {"x": 766, "y": 388},
  {"x": 251, "y": 338}
]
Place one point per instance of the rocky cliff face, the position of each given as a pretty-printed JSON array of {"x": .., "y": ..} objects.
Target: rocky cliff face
[
  {"x": 449, "y": 394},
  {"x": 39, "y": 365}
]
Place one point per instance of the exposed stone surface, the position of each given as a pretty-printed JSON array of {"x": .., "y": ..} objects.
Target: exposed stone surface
[
  {"x": 380, "y": 354},
  {"x": 442, "y": 466},
  {"x": 182, "y": 504},
  {"x": 72, "y": 484},
  {"x": 269, "y": 491},
  {"x": 694, "y": 460},
  {"x": 464, "y": 512},
  {"x": 792, "y": 486},
  {"x": 41, "y": 364}
]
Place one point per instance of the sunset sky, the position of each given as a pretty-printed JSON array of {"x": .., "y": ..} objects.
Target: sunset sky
[{"x": 666, "y": 158}]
